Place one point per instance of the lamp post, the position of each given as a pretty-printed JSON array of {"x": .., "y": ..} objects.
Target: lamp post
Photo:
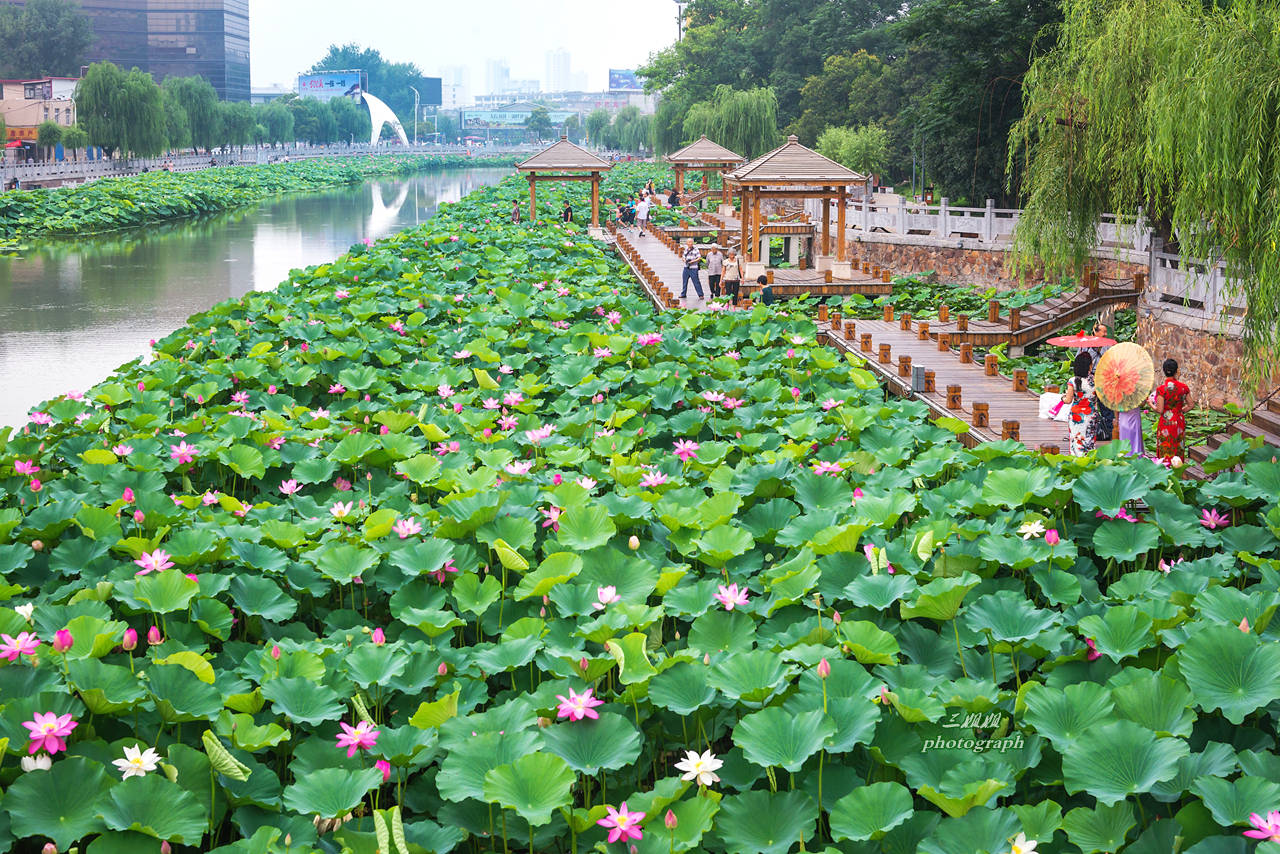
[
  {"x": 416, "y": 98},
  {"x": 680, "y": 4}
]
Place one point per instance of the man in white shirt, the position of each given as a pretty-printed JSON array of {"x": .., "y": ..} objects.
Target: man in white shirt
[
  {"x": 642, "y": 213},
  {"x": 692, "y": 258},
  {"x": 715, "y": 268}
]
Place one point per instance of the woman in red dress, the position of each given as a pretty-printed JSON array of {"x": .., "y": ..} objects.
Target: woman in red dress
[{"x": 1173, "y": 397}]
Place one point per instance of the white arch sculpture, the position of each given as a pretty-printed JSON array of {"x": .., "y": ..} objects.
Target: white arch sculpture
[{"x": 380, "y": 114}]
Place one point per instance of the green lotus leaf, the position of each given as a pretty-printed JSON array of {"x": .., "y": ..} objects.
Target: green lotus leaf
[
  {"x": 1229, "y": 670},
  {"x": 261, "y": 597},
  {"x": 751, "y": 676},
  {"x": 869, "y": 812},
  {"x": 555, "y": 569},
  {"x": 105, "y": 688},
  {"x": 153, "y": 806},
  {"x": 1124, "y": 541},
  {"x": 682, "y": 689},
  {"x": 632, "y": 658},
  {"x": 694, "y": 817},
  {"x": 586, "y": 527},
  {"x": 1123, "y": 631},
  {"x": 1008, "y": 617},
  {"x": 475, "y": 595},
  {"x": 534, "y": 785},
  {"x": 1108, "y": 489},
  {"x": 773, "y": 737},
  {"x": 1232, "y": 801},
  {"x": 612, "y": 742},
  {"x": 181, "y": 695},
  {"x": 721, "y": 631},
  {"x": 1065, "y": 716},
  {"x": 1118, "y": 759},
  {"x": 330, "y": 792},
  {"x": 433, "y": 714},
  {"x": 1155, "y": 701},
  {"x": 1216, "y": 760},
  {"x": 165, "y": 592},
  {"x": 302, "y": 700},
  {"x": 1101, "y": 829},
  {"x": 1013, "y": 487},
  {"x": 977, "y": 831},
  {"x": 62, "y": 804},
  {"x": 370, "y": 664},
  {"x": 766, "y": 822},
  {"x": 1039, "y": 821},
  {"x": 940, "y": 598},
  {"x": 464, "y": 768},
  {"x": 341, "y": 562},
  {"x": 867, "y": 643}
]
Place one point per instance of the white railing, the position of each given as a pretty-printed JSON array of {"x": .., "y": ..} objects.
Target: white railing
[{"x": 1191, "y": 287}]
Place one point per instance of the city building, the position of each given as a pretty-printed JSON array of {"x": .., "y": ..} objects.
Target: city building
[
  {"x": 27, "y": 104},
  {"x": 559, "y": 76},
  {"x": 497, "y": 77},
  {"x": 263, "y": 94},
  {"x": 174, "y": 38},
  {"x": 455, "y": 86}
]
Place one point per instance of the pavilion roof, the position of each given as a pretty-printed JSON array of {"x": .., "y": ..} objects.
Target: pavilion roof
[
  {"x": 792, "y": 163},
  {"x": 564, "y": 156},
  {"x": 704, "y": 150}
]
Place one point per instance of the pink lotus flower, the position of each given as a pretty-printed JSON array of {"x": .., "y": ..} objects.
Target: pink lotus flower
[
  {"x": 240, "y": 397},
  {"x": 541, "y": 434},
  {"x": 385, "y": 767},
  {"x": 378, "y": 637},
  {"x": 490, "y": 403},
  {"x": 130, "y": 640},
  {"x": 857, "y": 493},
  {"x": 506, "y": 369},
  {"x": 41, "y": 418},
  {"x": 360, "y": 737},
  {"x": 1122, "y": 515},
  {"x": 36, "y": 485},
  {"x": 337, "y": 388},
  {"x": 652, "y": 479},
  {"x": 443, "y": 449},
  {"x": 122, "y": 450},
  {"x": 622, "y": 824},
  {"x": 605, "y": 596},
  {"x": 686, "y": 450},
  {"x": 406, "y": 527},
  {"x": 552, "y": 515},
  {"x": 520, "y": 467},
  {"x": 156, "y": 561},
  {"x": 183, "y": 452},
  {"x": 712, "y": 396},
  {"x": 48, "y": 732},
  {"x": 507, "y": 422},
  {"x": 602, "y": 352},
  {"x": 25, "y": 643},
  {"x": 62, "y": 641},
  {"x": 25, "y": 467},
  {"x": 127, "y": 496},
  {"x": 444, "y": 391},
  {"x": 289, "y": 487},
  {"x": 1093, "y": 649},
  {"x": 578, "y": 706},
  {"x": 209, "y": 498},
  {"x": 586, "y": 483},
  {"x": 1268, "y": 828},
  {"x": 830, "y": 403},
  {"x": 341, "y": 294},
  {"x": 447, "y": 568},
  {"x": 340, "y": 510},
  {"x": 649, "y": 338},
  {"x": 734, "y": 354},
  {"x": 513, "y": 398},
  {"x": 275, "y": 443},
  {"x": 1212, "y": 519},
  {"x": 1166, "y": 567},
  {"x": 342, "y": 484},
  {"x": 823, "y": 467},
  {"x": 732, "y": 403},
  {"x": 732, "y": 596}
]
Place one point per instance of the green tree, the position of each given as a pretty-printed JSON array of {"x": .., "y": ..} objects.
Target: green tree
[
  {"x": 177, "y": 127},
  {"x": 141, "y": 115},
  {"x": 1168, "y": 107},
  {"x": 121, "y": 111},
  {"x": 43, "y": 38},
  {"x": 390, "y": 81},
  {"x": 312, "y": 121},
  {"x": 278, "y": 121},
  {"x": 839, "y": 95},
  {"x": 864, "y": 149},
  {"x": 539, "y": 123},
  {"x": 597, "y": 122},
  {"x": 351, "y": 120},
  {"x": 573, "y": 128},
  {"x": 200, "y": 102},
  {"x": 237, "y": 120},
  {"x": 74, "y": 139},
  {"x": 48, "y": 135},
  {"x": 745, "y": 121}
]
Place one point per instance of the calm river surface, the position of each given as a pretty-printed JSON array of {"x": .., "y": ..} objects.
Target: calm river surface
[{"x": 73, "y": 311}]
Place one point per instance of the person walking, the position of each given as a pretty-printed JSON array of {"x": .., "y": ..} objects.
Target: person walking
[
  {"x": 566, "y": 215},
  {"x": 1173, "y": 397},
  {"x": 1129, "y": 424},
  {"x": 673, "y": 200},
  {"x": 642, "y": 213},
  {"x": 515, "y": 212},
  {"x": 1104, "y": 418},
  {"x": 766, "y": 289},
  {"x": 1080, "y": 398},
  {"x": 732, "y": 275},
  {"x": 692, "y": 259},
  {"x": 715, "y": 269}
]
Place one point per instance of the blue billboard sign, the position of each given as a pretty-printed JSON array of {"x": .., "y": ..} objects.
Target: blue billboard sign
[
  {"x": 624, "y": 80},
  {"x": 325, "y": 85}
]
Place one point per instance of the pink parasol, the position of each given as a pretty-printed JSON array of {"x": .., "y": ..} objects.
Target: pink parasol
[
  {"x": 1081, "y": 340},
  {"x": 1124, "y": 377}
]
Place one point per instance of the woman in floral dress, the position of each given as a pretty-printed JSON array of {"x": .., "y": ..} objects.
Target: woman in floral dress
[
  {"x": 1173, "y": 398},
  {"x": 1079, "y": 398}
]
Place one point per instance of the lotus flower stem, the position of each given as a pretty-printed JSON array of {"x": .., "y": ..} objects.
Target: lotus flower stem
[
  {"x": 959, "y": 649},
  {"x": 506, "y": 848}
]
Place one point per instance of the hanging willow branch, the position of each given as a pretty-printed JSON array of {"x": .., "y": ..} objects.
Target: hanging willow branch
[
  {"x": 1172, "y": 109},
  {"x": 741, "y": 120}
]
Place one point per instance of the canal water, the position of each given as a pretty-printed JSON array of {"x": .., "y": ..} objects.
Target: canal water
[{"x": 73, "y": 311}]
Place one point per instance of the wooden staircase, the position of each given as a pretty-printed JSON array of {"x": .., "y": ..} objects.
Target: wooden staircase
[{"x": 1262, "y": 422}]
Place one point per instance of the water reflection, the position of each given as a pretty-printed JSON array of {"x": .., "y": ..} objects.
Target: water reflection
[{"x": 71, "y": 312}]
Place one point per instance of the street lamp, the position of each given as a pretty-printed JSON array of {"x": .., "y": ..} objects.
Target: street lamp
[
  {"x": 416, "y": 98},
  {"x": 680, "y": 4}
]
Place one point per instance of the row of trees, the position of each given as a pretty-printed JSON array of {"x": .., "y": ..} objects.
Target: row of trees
[
  {"x": 626, "y": 130},
  {"x": 126, "y": 111},
  {"x": 42, "y": 38}
]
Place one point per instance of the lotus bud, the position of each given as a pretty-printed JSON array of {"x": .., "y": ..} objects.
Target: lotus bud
[
  {"x": 1051, "y": 537},
  {"x": 49, "y": 848},
  {"x": 557, "y": 479},
  {"x": 633, "y": 543},
  {"x": 385, "y": 767},
  {"x": 836, "y": 618},
  {"x": 165, "y": 848},
  {"x": 706, "y": 658},
  {"x": 544, "y": 721},
  {"x": 275, "y": 651},
  {"x": 443, "y": 669},
  {"x": 153, "y": 635},
  {"x": 582, "y": 665},
  {"x": 824, "y": 668},
  {"x": 670, "y": 820},
  {"x": 1244, "y": 625},
  {"x": 542, "y": 612},
  {"x": 379, "y": 637},
  {"x": 62, "y": 641},
  {"x": 37, "y": 545},
  {"x": 139, "y": 516},
  {"x": 288, "y": 840},
  {"x": 130, "y": 641}
]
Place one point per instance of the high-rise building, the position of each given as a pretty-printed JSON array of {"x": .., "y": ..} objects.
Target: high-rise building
[
  {"x": 497, "y": 76},
  {"x": 455, "y": 85},
  {"x": 174, "y": 38},
  {"x": 558, "y": 75}
]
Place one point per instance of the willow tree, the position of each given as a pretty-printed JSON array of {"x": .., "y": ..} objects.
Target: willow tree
[
  {"x": 743, "y": 120},
  {"x": 1169, "y": 108}
]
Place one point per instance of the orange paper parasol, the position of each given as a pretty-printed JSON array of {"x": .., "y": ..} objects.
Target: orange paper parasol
[{"x": 1124, "y": 377}]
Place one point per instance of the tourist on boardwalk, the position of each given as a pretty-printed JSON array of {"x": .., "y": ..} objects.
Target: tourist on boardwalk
[
  {"x": 1080, "y": 398},
  {"x": 766, "y": 289},
  {"x": 732, "y": 275},
  {"x": 566, "y": 215},
  {"x": 1173, "y": 397},
  {"x": 692, "y": 258},
  {"x": 515, "y": 212},
  {"x": 715, "y": 269},
  {"x": 674, "y": 199},
  {"x": 1104, "y": 418},
  {"x": 1129, "y": 423},
  {"x": 642, "y": 213}
]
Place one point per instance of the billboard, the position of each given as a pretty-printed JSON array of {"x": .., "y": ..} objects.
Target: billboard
[
  {"x": 508, "y": 118},
  {"x": 624, "y": 80},
  {"x": 432, "y": 92},
  {"x": 325, "y": 85}
]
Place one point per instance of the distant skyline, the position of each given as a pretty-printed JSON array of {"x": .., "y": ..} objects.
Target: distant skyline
[{"x": 287, "y": 36}]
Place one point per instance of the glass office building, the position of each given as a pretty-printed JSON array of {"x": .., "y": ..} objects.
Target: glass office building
[{"x": 175, "y": 38}]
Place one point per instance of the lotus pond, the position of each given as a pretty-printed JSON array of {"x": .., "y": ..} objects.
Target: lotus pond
[{"x": 454, "y": 545}]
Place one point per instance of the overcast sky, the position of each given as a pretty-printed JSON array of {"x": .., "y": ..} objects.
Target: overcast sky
[{"x": 287, "y": 36}]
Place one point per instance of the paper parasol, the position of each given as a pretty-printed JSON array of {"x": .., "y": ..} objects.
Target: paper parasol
[
  {"x": 1081, "y": 340},
  {"x": 1124, "y": 377}
]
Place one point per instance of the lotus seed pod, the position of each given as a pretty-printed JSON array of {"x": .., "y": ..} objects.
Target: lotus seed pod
[{"x": 634, "y": 542}]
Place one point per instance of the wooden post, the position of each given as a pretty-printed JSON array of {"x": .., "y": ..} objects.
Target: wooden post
[
  {"x": 904, "y": 321},
  {"x": 826, "y": 225},
  {"x": 768, "y": 274},
  {"x": 966, "y": 353},
  {"x": 885, "y": 275},
  {"x": 962, "y": 323},
  {"x": 1049, "y": 449},
  {"x": 885, "y": 355},
  {"x": 755, "y": 228},
  {"x": 724, "y": 189},
  {"x": 875, "y": 271},
  {"x": 744, "y": 248},
  {"x": 850, "y": 328},
  {"x": 944, "y": 342},
  {"x": 533, "y": 197},
  {"x": 822, "y": 313},
  {"x": 1010, "y": 430},
  {"x": 992, "y": 364},
  {"x": 840, "y": 200},
  {"x": 826, "y": 276},
  {"x": 1139, "y": 282},
  {"x": 1091, "y": 279},
  {"x": 981, "y": 414},
  {"x": 993, "y": 311},
  {"x": 1020, "y": 380},
  {"x": 866, "y": 267},
  {"x": 888, "y": 313},
  {"x": 953, "y": 397},
  {"x": 835, "y": 319},
  {"x": 866, "y": 342},
  {"x": 680, "y": 179},
  {"x": 944, "y": 313},
  {"x": 924, "y": 331},
  {"x": 1015, "y": 318},
  {"x": 904, "y": 366},
  {"x": 930, "y": 382},
  {"x": 595, "y": 199}
]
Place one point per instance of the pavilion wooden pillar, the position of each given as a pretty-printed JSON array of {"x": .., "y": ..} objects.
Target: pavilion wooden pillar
[
  {"x": 679, "y": 179},
  {"x": 704, "y": 179},
  {"x": 746, "y": 225},
  {"x": 840, "y": 200},
  {"x": 595, "y": 199},
  {"x": 533, "y": 197},
  {"x": 755, "y": 228},
  {"x": 826, "y": 224},
  {"x": 724, "y": 189}
]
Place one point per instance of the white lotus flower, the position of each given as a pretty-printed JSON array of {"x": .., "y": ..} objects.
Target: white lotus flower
[
  {"x": 137, "y": 762},
  {"x": 700, "y": 767},
  {"x": 25, "y": 611},
  {"x": 39, "y": 762},
  {"x": 1031, "y": 529},
  {"x": 1022, "y": 845}
]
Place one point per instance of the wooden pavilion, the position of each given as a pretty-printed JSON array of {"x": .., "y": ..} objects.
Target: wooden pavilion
[
  {"x": 706, "y": 157},
  {"x": 793, "y": 171},
  {"x": 564, "y": 161}
]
